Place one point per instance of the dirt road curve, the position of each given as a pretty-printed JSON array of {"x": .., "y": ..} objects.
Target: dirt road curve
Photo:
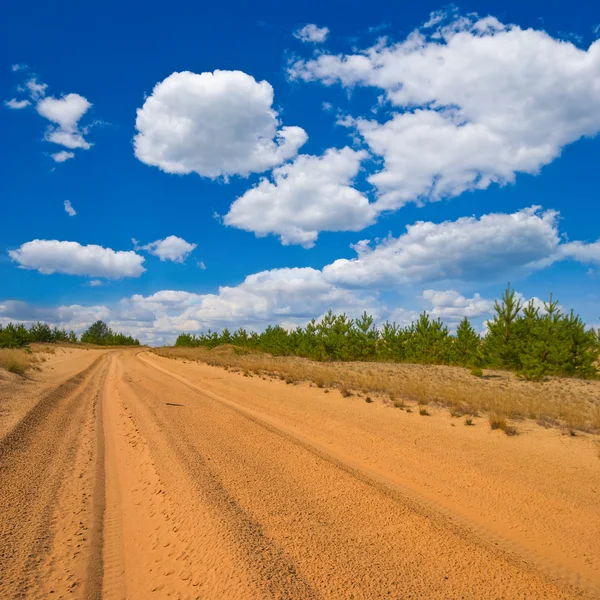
[{"x": 141, "y": 477}]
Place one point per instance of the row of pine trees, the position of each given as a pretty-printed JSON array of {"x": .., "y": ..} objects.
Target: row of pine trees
[
  {"x": 19, "y": 336},
  {"x": 520, "y": 337}
]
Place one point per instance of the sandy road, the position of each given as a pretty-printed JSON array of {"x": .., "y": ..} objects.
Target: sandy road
[{"x": 141, "y": 477}]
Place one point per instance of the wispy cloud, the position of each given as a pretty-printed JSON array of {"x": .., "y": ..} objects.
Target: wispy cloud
[{"x": 69, "y": 208}]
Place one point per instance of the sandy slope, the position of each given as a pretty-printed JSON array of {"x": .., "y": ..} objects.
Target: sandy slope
[
  {"x": 18, "y": 395},
  {"x": 145, "y": 477}
]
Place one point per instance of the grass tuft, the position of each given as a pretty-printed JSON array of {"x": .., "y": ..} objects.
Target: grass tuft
[
  {"x": 498, "y": 422},
  {"x": 15, "y": 361}
]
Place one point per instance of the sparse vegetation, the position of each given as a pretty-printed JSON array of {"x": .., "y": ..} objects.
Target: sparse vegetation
[
  {"x": 15, "y": 360},
  {"x": 469, "y": 422},
  {"x": 571, "y": 403},
  {"x": 477, "y": 372},
  {"x": 424, "y": 412}
]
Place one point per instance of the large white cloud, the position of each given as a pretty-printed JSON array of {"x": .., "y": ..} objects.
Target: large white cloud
[
  {"x": 65, "y": 112},
  {"x": 311, "y": 194},
  {"x": 476, "y": 102},
  {"x": 272, "y": 295},
  {"x": 71, "y": 258},
  {"x": 214, "y": 124},
  {"x": 469, "y": 249},
  {"x": 171, "y": 248}
]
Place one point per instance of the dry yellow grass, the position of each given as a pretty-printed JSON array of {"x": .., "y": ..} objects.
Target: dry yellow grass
[
  {"x": 570, "y": 403},
  {"x": 15, "y": 361}
]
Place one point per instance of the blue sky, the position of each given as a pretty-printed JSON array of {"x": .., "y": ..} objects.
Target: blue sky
[{"x": 251, "y": 149}]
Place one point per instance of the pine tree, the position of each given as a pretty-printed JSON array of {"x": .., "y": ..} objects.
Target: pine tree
[
  {"x": 582, "y": 347},
  {"x": 466, "y": 345},
  {"x": 502, "y": 340},
  {"x": 542, "y": 340},
  {"x": 364, "y": 338}
]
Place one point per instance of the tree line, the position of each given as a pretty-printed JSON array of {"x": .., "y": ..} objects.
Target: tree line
[
  {"x": 520, "y": 337},
  {"x": 18, "y": 335}
]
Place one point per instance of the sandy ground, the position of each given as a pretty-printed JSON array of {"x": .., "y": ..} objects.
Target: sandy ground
[{"x": 127, "y": 475}]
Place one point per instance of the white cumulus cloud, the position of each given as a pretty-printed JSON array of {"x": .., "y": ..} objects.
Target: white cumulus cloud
[
  {"x": 474, "y": 102},
  {"x": 469, "y": 249},
  {"x": 451, "y": 306},
  {"x": 214, "y": 124},
  {"x": 36, "y": 89},
  {"x": 16, "y": 104},
  {"x": 72, "y": 258},
  {"x": 69, "y": 208},
  {"x": 62, "y": 156},
  {"x": 65, "y": 112},
  {"x": 311, "y": 33},
  {"x": 583, "y": 252},
  {"x": 171, "y": 248},
  {"x": 289, "y": 294},
  {"x": 311, "y": 194}
]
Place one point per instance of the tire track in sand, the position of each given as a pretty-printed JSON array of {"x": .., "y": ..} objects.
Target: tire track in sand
[
  {"x": 95, "y": 571},
  {"x": 213, "y": 509},
  {"x": 36, "y": 458},
  {"x": 380, "y": 480}
]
